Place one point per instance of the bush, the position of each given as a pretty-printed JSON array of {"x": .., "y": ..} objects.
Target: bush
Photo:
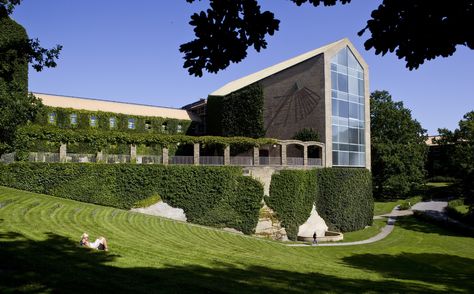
[
  {"x": 292, "y": 194},
  {"x": 409, "y": 202},
  {"x": 441, "y": 179},
  {"x": 343, "y": 198},
  {"x": 213, "y": 196}
]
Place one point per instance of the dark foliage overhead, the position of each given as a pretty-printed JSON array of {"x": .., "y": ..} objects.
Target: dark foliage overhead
[{"x": 416, "y": 31}]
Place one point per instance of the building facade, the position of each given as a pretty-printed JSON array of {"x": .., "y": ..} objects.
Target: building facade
[{"x": 326, "y": 90}]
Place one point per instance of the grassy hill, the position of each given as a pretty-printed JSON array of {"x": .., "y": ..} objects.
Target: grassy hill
[{"x": 39, "y": 252}]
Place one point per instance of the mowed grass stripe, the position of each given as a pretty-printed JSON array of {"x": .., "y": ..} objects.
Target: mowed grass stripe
[{"x": 151, "y": 254}]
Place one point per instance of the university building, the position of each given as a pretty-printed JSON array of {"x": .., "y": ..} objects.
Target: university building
[{"x": 326, "y": 90}]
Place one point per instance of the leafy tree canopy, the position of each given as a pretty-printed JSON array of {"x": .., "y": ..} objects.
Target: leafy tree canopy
[
  {"x": 461, "y": 143},
  {"x": 17, "y": 107},
  {"x": 415, "y": 30},
  {"x": 398, "y": 147},
  {"x": 306, "y": 134}
]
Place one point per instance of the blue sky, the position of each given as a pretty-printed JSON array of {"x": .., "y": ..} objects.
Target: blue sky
[{"x": 128, "y": 51}]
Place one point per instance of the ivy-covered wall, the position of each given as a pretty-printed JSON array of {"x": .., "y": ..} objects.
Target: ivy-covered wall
[
  {"x": 343, "y": 198},
  {"x": 237, "y": 114},
  {"x": 211, "y": 196},
  {"x": 142, "y": 124}
]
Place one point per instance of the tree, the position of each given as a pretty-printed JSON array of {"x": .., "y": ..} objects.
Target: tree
[
  {"x": 17, "y": 107},
  {"x": 416, "y": 30},
  {"x": 306, "y": 134},
  {"x": 398, "y": 147},
  {"x": 462, "y": 157}
]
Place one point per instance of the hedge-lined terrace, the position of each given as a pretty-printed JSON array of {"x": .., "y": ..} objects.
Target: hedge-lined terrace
[{"x": 52, "y": 144}]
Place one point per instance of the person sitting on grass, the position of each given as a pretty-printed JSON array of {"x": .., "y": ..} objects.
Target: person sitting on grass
[{"x": 99, "y": 244}]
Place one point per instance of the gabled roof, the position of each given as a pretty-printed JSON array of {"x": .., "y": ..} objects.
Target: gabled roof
[
  {"x": 114, "y": 106},
  {"x": 260, "y": 75}
]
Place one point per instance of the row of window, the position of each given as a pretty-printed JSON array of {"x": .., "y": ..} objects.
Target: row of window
[{"x": 93, "y": 121}]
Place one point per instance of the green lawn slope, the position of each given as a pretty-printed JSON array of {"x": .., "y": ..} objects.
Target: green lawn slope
[{"x": 39, "y": 252}]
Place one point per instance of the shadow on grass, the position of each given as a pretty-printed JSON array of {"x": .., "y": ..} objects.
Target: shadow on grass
[
  {"x": 58, "y": 265},
  {"x": 453, "y": 272},
  {"x": 420, "y": 224}
]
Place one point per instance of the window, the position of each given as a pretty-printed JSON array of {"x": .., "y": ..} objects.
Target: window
[
  {"x": 52, "y": 118},
  {"x": 164, "y": 127},
  {"x": 148, "y": 125},
  {"x": 112, "y": 122},
  {"x": 179, "y": 128},
  {"x": 131, "y": 123},
  {"x": 93, "y": 121},
  {"x": 348, "y": 109},
  {"x": 73, "y": 119}
]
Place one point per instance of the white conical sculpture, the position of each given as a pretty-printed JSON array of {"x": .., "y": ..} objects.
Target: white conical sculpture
[{"x": 314, "y": 224}]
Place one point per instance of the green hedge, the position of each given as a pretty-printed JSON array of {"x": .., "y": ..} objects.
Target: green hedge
[
  {"x": 212, "y": 196},
  {"x": 343, "y": 198},
  {"x": 292, "y": 194},
  {"x": 237, "y": 114},
  {"x": 143, "y": 124}
]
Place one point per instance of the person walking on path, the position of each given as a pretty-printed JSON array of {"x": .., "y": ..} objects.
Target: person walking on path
[{"x": 315, "y": 241}]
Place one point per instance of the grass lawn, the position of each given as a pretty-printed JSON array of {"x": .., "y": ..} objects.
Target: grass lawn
[
  {"x": 39, "y": 252},
  {"x": 366, "y": 233},
  {"x": 385, "y": 207}
]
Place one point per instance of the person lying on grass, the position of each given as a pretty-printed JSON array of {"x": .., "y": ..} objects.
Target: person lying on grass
[{"x": 99, "y": 244}]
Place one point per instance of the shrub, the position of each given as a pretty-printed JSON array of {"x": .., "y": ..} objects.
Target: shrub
[
  {"x": 292, "y": 194},
  {"x": 343, "y": 198},
  {"x": 409, "y": 202},
  {"x": 153, "y": 199},
  {"x": 213, "y": 196}
]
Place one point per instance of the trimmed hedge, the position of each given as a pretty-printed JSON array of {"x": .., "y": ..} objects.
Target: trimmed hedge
[
  {"x": 212, "y": 196},
  {"x": 292, "y": 194},
  {"x": 343, "y": 198}
]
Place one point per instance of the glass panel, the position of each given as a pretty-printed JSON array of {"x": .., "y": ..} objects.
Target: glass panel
[
  {"x": 131, "y": 123},
  {"x": 335, "y": 133},
  {"x": 353, "y": 158},
  {"x": 342, "y": 57},
  {"x": 93, "y": 121},
  {"x": 361, "y": 87},
  {"x": 112, "y": 122},
  {"x": 333, "y": 80},
  {"x": 335, "y": 146},
  {"x": 361, "y": 136},
  {"x": 353, "y": 86},
  {"x": 342, "y": 82},
  {"x": 352, "y": 62},
  {"x": 334, "y": 108},
  {"x": 333, "y": 67},
  {"x": 73, "y": 118},
  {"x": 343, "y": 134},
  {"x": 353, "y": 110},
  {"x": 335, "y": 157},
  {"x": 343, "y": 158},
  {"x": 361, "y": 112},
  {"x": 353, "y": 136},
  {"x": 343, "y": 109}
]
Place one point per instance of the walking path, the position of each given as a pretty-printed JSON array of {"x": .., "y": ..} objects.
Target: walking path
[{"x": 383, "y": 233}]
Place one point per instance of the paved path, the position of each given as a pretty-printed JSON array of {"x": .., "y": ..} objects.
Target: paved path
[
  {"x": 384, "y": 233},
  {"x": 437, "y": 206}
]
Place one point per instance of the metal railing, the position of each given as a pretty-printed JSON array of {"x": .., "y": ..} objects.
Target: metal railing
[
  {"x": 264, "y": 160},
  {"x": 77, "y": 157},
  {"x": 295, "y": 161},
  {"x": 149, "y": 159},
  {"x": 116, "y": 158},
  {"x": 8, "y": 157},
  {"x": 181, "y": 159},
  {"x": 314, "y": 161},
  {"x": 241, "y": 160},
  {"x": 43, "y": 157},
  {"x": 211, "y": 160}
]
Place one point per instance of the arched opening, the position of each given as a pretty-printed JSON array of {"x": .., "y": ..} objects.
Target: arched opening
[
  {"x": 270, "y": 154},
  {"x": 315, "y": 155},
  {"x": 241, "y": 155},
  {"x": 294, "y": 154}
]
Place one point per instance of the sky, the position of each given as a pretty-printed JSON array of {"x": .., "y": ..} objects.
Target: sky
[{"x": 129, "y": 51}]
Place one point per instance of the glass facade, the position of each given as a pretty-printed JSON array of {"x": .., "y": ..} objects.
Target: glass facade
[
  {"x": 112, "y": 122},
  {"x": 93, "y": 121},
  {"x": 348, "y": 110}
]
